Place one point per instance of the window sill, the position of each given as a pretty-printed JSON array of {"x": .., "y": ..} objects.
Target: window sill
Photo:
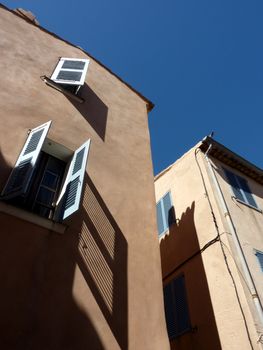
[
  {"x": 31, "y": 217},
  {"x": 160, "y": 236},
  {"x": 59, "y": 88},
  {"x": 248, "y": 205},
  {"x": 167, "y": 230},
  {"x": 187, "y": 330}
]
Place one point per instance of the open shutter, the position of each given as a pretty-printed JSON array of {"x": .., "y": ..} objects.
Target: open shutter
[
  {"x": 260, "y": 259},
  {"x": 168, "y": 210},
  {"x": 70, "y": 71},
  {"x": 71, "y": 191},
  {"x": 247, "y": 193},
  {"x": 181, "y": 306},
  {"x": 19, "y": 179},
  {"x": 234, "y": 184},
  {"x": 160, "y": 218}
]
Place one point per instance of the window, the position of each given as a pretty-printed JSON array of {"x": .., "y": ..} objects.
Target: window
[
  {"x": 165, "y": 213},
  {"x": 71, "y": 73},
  {"x": 176, "y": 308},
  {"x": 240, "y": 188},
  {"x": 47, "y": 177},
  {"x": 259, "y": 255}
]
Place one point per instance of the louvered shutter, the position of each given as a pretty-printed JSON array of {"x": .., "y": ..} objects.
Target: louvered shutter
[
  {"x": 234, "y": 184},
  {"x": 160, "y": 218},
  {"x": 181, "y": 307},
  {"x": 247, "y": 193},
  {"x": 176, "y": 308},
  {"x": 71, "y": 191},
  {"x": 260, "y": 259},
  {"x": 70, "y": 71},
  {"x": 169, "y": 311},
  {"x": 21, "y": 174},
  {"x": 168, "y": 212}
]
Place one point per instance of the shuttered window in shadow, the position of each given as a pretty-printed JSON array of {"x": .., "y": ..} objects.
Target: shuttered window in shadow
[{"x": 176, "y": 308}]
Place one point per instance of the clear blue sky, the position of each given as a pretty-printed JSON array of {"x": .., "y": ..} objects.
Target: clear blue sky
[{"x": 200, "y": 62}]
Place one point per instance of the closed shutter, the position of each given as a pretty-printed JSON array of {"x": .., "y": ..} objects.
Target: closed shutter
[
  {"x": 234, "y": 184},
  {"x": 176, "y": 308},
  {"x": 247, "y": 193},
  {"x": 70, "y": 71},
  {"x": 181, "y": 307},
  {"x": 71, "y": 191},
  {"x": 169, "y": 311},
  {"x": 21, "y": 174}
]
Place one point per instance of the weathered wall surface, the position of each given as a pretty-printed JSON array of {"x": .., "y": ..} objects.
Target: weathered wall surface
[
  {"x": 215, "y": 314},
  {"x": 97, "y": 286},
  {"x": 248, "y": 223}
]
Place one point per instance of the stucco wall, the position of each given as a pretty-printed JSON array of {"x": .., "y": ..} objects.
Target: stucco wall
[
  {"x": 99, "y": 284},
  {"x": 248, "y": 223},
  {"x": 215, "y": 313}
]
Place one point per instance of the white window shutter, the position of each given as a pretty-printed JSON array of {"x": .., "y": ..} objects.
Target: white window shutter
[
  {"x": 70, "y": 71},
  {"x": 69, "y": 198},
  {"x": 19, "y": 179}
]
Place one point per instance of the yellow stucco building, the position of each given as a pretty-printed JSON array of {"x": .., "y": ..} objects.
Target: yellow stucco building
[{"x": 210, "y": 223}]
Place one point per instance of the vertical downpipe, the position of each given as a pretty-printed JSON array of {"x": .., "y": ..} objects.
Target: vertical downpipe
[{"x": 241, "y": 256}]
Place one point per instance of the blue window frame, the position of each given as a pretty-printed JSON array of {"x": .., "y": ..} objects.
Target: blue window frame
[
  {"x": 240, "y": 188},
  {"x": 259, "y": 255},
  {"x": 165, "y": 213},
  {"x": 176, "y": 308}
]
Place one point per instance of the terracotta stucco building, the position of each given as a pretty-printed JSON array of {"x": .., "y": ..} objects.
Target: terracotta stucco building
[
  {"x": 210, "y": 222},
  {"x": 79, "y": 263}
]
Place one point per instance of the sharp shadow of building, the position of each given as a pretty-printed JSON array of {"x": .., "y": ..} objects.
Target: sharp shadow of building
[
  {"x": 93, "y": 109},
  {"x": 38, "y": 307},
  {"x": 178, "y": 256},
  {"x": 102, "y": 259}
]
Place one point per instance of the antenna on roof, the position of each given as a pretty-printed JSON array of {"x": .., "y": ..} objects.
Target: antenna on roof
[{"x": 211, "y": 134}]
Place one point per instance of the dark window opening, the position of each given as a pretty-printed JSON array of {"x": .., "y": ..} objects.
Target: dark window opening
[{"x": 44, "y": 186}]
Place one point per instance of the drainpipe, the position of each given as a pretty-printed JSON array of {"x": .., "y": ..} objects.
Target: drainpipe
[{"x": 240, "y": 253}]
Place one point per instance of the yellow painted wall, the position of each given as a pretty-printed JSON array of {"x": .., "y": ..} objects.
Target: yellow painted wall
[{"x": 215, "y": 313}]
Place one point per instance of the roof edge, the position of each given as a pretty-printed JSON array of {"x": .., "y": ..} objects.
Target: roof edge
[
  {"x": 149, "y": 104},
  {"x": 226, "y": 156},
  {"x": 231, "y": 158}
]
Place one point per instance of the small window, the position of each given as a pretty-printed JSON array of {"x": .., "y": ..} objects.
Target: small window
[
  {"x": 47, "y": 178},
  {"x": 176, "y": 308},
  {"x": 165, "y": 213},
  {"x": 70, "y": 72},
  {"x": 240, "y": 188},
  {"x": 259, "y": 255}
]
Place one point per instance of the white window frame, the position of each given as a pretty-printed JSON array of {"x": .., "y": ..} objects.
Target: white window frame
[
  {"x": 75, "y": 170},
  {"x": 32, "y": 156},
  {"x": 70, "y": 82},
  {"x": 70, "y": 177}
]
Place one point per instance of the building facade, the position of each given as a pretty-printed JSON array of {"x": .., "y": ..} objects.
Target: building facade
[
  {"x": 210, "y": 223},
  {"x": 76, "y": 174}
]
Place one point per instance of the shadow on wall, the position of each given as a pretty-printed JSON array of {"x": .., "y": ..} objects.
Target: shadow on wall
[
  {"x": 5, "y": 170},
  {"x": 40, "y": 283},
  {"x": 102, "y": 260},
  {"x": 93, "y": 110},
  {"x": 177, "y": 248}
]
